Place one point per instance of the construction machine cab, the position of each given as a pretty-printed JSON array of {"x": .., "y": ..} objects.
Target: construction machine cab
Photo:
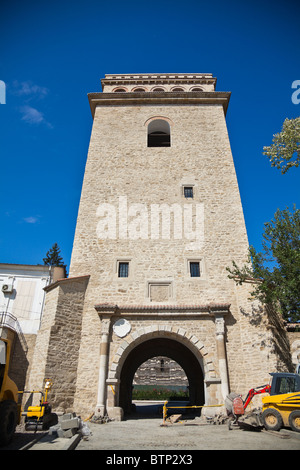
[{"x": 284, "y": 382}]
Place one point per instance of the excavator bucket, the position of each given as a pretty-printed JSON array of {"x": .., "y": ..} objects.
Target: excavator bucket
[{"x": 238, "y": 406}]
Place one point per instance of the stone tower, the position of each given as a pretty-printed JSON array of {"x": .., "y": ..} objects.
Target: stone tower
[{"x": 160, "y": 219}]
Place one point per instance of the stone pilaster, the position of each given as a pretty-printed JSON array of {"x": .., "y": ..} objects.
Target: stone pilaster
[
  {"x": 221, "y": 353},
  {"x": 105, "y": 318}
]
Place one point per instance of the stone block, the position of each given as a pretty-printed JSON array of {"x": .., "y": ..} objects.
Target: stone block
[
  {"x": 67, "y": 416},
  {"x": 69, "y": 433},
  {"x": 60, "y": 432},
  {"x": 116, "y": 413},
  {"x": 53, "y": 430},
  {"x": 73, "y": 423}
]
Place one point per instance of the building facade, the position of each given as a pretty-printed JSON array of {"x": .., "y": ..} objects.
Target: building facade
[
  {"x": 160, "y": 219},
  {"x": 22, "y": 298},
  {"x": 22, "y": 292}
]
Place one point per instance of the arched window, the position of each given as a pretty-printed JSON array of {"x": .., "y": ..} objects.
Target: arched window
[
  {"x": 196, "y": 89},
  {"x": 158, "y": 90},
  {"x": 159, "y": 133},
  {"x": 119, "y": 90},
  {"x": 177, "y": 89},
  {"x": 139, "y": 90}
]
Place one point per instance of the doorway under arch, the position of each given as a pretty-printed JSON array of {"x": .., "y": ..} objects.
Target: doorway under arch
[{"x": 172, "y": 349}]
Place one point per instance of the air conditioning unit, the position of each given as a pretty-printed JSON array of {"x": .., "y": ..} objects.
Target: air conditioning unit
[{"x": 7, "y": 288}]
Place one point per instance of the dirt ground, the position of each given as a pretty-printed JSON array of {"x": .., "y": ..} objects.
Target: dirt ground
[{"x": 145, "y": 432}]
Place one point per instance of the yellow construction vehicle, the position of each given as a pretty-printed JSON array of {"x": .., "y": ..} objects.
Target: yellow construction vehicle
[
  {"x": 40, "y": 417},
  {"x": 282, "y": 406},
  {"x": 10, "y": 411},
  {"x": 36, "y": 417}
]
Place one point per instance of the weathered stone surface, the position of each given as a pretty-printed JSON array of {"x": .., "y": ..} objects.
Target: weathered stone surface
[{"x": 126, "y": 177}]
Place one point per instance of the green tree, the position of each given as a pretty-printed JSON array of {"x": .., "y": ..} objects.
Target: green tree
[
  {"x": 277, "y": 267},
  {"x": 53, "y": 257},
  {"x": 284, "y": 153}
]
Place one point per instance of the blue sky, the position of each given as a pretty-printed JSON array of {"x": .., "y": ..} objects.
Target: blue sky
[{"x": 54, "y": 53}]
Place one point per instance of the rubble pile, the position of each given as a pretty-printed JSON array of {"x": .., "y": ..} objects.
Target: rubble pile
[
  {"x": 101, "y": 419},
  {"x": 216, "y": 419}
]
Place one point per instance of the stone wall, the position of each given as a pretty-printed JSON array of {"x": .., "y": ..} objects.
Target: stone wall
[
  {"x": 257, "y": 343},
  {"x": 58, "y": 342},
  {"x": 294, "y": 340},
  {"x": 200, "y": 154},
  {"x": 21, "y": 360}
]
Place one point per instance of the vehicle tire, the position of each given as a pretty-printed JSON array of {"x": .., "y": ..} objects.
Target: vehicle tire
[
  {"x": 294, "y": 420},
  {"x": 272, "y": 419},
  {"x": 8, "y": 421}
]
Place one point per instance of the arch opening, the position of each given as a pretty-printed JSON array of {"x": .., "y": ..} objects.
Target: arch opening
[
  {"x": 160, "y": 378},
  {"x": 159, "y": 133},
  {"x": 163, "y": 347}
]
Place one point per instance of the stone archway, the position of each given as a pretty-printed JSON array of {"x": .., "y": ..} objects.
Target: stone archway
[
  {"x": 186, "y": 349},
  {"x": 166, "y": 347},
  {"x": 112, "y": 360}
]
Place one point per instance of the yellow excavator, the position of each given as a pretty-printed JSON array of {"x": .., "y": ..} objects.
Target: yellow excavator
[
  {"x": 10, "y": 410},
  {"x": 36, "y": 417}
]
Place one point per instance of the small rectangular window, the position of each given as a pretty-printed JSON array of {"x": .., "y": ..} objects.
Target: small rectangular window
[
  {"x": 194, "y": 268},
  {"x": 123, "y": 270},
  {"x": 188, "y": 191}
]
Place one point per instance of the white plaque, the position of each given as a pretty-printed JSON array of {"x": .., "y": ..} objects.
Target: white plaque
[{"x": 122, "y": 328}]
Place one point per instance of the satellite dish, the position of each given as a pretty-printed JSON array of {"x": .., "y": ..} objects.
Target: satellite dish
[{"x": 122, "y": 328}]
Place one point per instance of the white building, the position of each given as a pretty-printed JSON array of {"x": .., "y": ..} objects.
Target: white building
[{"x": 22, "y": 292}]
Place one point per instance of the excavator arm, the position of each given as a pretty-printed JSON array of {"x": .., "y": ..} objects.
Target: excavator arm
[{"x": 256, "y": 391}]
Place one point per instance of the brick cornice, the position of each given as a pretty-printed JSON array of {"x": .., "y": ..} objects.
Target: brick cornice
[
  {"x": 165, "y": 310},
  {"x": 162, "y": 98}
]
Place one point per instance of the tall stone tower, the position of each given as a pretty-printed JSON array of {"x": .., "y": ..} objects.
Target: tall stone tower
[{"x": 160, "y": 219}]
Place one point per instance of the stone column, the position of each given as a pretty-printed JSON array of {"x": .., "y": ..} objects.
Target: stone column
[
  {"x": 221, "y": 352},
  {"x": 103, "y": 363}
]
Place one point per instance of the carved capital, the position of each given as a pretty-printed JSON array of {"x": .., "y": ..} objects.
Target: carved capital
[
  {"x": 105, "y": 324},
  {"x": 220, "y": 325}
]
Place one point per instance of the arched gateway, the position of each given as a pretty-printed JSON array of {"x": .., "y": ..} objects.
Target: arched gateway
[
  {"x": 168, "y": 331},
  {"x": 162, "y": 346},
  {"x": 157, "y": 226}
]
